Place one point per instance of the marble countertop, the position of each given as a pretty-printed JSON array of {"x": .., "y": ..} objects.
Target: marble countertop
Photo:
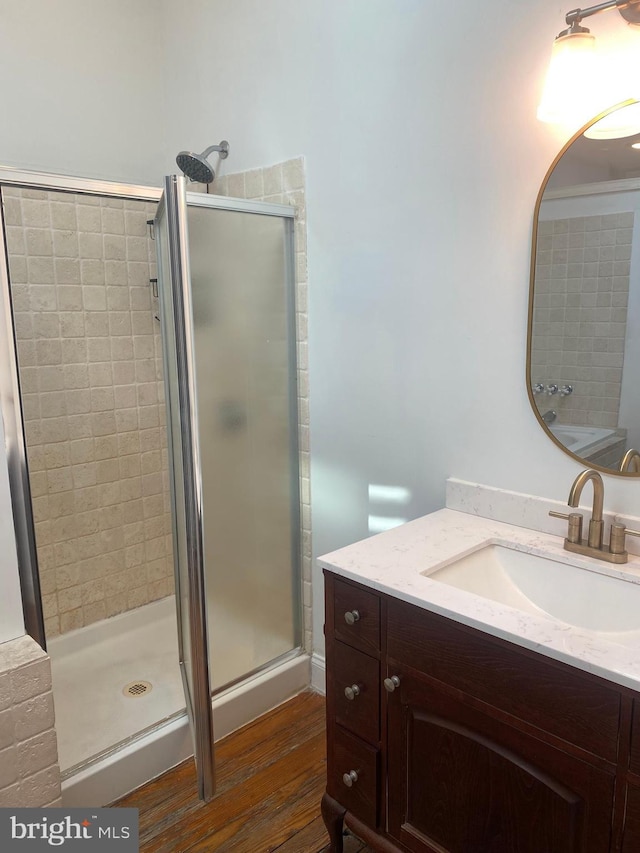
[{"x": 394, "y": 563}]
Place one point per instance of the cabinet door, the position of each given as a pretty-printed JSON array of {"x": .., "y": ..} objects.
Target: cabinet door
[
  {"x": 523, "y": 685},
  {"x": 631, "y": 834},
  {"x": 461, "y": 781}
]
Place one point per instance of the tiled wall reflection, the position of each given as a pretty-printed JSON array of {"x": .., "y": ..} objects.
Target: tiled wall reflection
[
  {"x": 91, "y": 376},
  {"x": 284, "y": 183},
  {"x": 580, "y": 315}
]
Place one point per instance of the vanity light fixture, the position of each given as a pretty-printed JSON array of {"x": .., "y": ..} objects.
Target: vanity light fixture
[{"x": 576, "y": 87}]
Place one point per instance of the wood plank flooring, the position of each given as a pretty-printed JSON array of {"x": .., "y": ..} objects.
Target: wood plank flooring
[{"x": 271, "y": 776}]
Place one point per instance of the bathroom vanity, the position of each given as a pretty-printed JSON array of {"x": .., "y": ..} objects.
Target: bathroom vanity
[{"x": 458, "y": 723}]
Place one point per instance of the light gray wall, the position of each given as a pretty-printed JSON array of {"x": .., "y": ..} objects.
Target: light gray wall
[
  {"x": 81, "y": 90},
  {"x": 423, "y": 160}
]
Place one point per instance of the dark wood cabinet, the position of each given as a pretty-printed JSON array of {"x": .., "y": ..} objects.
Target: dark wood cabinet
[
  {"x": 634, "y": 758},
  {"x": 461, "y": 780},
  {"x": 631, "y": 834},
  {"x": 459, "y": 742}
]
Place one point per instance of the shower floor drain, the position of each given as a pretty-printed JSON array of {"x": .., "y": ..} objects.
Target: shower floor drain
[{"x": 137, "y": 688}]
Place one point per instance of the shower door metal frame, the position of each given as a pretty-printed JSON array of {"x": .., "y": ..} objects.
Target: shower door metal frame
[
  {"x": 174, "y": 204},
  {"x": 10, "y": 399},
  {"x": 175, "y": 301},
  {"x": 288, "y": 214},
  {"x": 19, "y": 485}
]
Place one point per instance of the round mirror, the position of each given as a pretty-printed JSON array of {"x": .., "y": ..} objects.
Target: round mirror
[{"x": 583, "y": 343}]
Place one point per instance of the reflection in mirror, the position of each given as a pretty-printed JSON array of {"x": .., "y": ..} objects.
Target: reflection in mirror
[{"x": 583, "y": 360}]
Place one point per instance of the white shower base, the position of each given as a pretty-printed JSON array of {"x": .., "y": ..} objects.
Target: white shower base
[{"x": 91, "y": 666}]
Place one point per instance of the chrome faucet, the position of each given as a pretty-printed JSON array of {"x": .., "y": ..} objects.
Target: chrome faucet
[{"x": 615, "y": 552}]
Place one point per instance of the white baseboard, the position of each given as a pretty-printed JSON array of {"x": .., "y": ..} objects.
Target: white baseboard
[{"x": 318, "y": 673}]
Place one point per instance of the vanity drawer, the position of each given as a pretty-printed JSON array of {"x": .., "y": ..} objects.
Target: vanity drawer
[
  {"x": 579, "y": 709},
  {"x": 356, "y": 616},
  {"x": 349, "y": 755},
  {"x": 360, "y": 675}
]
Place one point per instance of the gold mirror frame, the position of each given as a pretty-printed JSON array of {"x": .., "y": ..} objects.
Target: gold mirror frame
[{"x": 534, "y": 242}]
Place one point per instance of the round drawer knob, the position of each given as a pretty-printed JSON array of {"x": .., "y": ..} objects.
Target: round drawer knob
[
  {"x": 349, "y": 778},
  {"x": 390, "y": 684},
  {"x": 352, "y": 692},
  {"x": 351, "y": 617}
]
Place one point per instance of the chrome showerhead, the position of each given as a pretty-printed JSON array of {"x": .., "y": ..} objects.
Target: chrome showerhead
[{"x": 196, "y": 167}]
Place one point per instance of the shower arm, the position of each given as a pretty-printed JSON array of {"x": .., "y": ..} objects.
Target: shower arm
[{"x": 223, "y": 148}]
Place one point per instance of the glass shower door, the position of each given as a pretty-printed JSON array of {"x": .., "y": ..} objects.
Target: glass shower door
[
  {"x": 170, "y": 226},
  {"x": 228, "y": 321},
  {"x": 241, "y": 259}
]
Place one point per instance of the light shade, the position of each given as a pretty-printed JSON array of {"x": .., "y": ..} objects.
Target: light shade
[
  {"x": 572, "y": 92},
  {"x": 619, "y": 123}
]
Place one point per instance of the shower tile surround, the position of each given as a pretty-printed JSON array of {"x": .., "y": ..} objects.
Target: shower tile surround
[
  {"x": 580, "y": 315},
  {"x": 284, "y": 183},
  {"x": 29, "y": 771},
  {"x": 91, "y": 376}
]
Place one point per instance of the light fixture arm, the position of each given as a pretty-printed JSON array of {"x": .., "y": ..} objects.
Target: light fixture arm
[{"x": 629, "y": 9}]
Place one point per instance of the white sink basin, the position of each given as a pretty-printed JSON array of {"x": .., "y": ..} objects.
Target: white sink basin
[{"x": 545, "y": 587}]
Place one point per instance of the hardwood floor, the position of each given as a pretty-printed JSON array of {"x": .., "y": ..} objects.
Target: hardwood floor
[{"x": 271, "y": 776}]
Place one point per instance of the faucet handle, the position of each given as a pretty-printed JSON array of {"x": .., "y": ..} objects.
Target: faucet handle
[
  {"x": 574, "y": 533},
  {"x": 618, "y": 534}
]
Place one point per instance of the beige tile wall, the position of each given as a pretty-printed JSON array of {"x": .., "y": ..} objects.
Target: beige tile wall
[
  {"x": 284, "y": 183},
  {"x": 91, "y": 375},
  {"x": 29, "y": 771},
  {"x": 580, "y": 315}
]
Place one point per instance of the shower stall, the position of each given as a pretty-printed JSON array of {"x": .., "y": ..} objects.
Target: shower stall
[{"x": 112, "y": 509}]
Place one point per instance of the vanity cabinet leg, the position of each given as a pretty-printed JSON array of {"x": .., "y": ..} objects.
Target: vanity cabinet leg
[{"x": 332, "y": 815}]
